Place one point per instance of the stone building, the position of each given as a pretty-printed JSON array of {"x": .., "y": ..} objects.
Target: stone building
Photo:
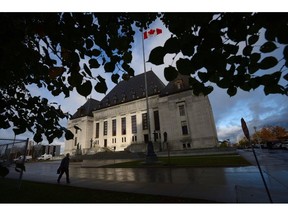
[{"x": 120, "y": 120}]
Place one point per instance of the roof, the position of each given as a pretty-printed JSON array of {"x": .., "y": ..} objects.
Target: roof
[
  {"x": 86, "y": 109},
  {"x": 181, "y": 83},
  {"x": 133, "y": 89}
]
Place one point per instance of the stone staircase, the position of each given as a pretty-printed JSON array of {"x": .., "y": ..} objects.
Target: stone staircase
[{"x": 109, "y": 155}]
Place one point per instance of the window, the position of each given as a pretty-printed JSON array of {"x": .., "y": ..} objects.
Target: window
[
  {"x": 182, "y": 110},
  {"x": 134, "y": 124},
  {"x": 97, "y": 130},
  {"x": 184, "y": 127},
  {"x": 114, "y": 127},
  {"x": 75, "y": 141},
  {"x": 123, "y": 125},
  {"x": 134, "y": 138},
  {"x": 123, "y": 97},
  {"x": 179, "y": 84},
  {"x": 105, "y": 128},
  {"x": 156, "y": 120},
  {"x": 115, "y": 99},
  {"x": 144, "y": 121}
]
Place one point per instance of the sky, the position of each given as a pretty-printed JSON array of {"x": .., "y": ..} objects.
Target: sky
[{"x": 257, "y": 109}]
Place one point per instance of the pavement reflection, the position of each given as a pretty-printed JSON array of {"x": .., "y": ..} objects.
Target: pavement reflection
[{"x": 234, "y": 184}]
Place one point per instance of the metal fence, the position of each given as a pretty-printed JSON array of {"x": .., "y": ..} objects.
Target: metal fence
[{"x": 12, "y": 157}]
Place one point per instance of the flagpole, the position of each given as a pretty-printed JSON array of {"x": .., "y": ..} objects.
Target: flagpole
[
  {"x": 151, "y": 157},
  {"x": 146, "y": 89}
]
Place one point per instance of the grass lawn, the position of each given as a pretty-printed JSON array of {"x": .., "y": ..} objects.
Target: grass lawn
[
  {"x": 225, "y": 160},
  {"x": 34, "y": 192}
]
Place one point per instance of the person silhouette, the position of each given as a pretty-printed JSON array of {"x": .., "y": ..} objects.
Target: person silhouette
[{"x": 64, "y": 168}]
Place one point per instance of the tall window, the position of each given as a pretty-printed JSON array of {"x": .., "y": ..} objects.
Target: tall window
[
  {"x": 144, "y": 121},
  {"x": 97, "y": 130},
  {"x": 156, "y": 120},
  {"x": 184, "y": 127},
  {"x": 114, "y": 127},
  {"x": 75, "y": 141},
  {"x": 134, "y": 124},
  {"x": 123, "y": 125},
  {"x": 182, "y": 110},
  {"x": 179, "y": 84},
  {"x": 105, "y": 128}
]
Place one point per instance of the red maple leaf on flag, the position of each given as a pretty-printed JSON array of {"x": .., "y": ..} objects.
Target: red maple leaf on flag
[{"x": 152, "y": 32}]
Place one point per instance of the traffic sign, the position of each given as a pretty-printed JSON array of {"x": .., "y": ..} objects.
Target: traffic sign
[{"x": 245, "y": 129}]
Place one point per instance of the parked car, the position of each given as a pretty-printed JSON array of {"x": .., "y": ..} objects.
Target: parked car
[
  {"x": 285, "y": 145},
  {"x": 45, "y": 157},
  {"x": 21, "y": 158}
]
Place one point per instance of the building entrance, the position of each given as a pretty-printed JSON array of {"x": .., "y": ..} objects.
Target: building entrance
[
  {"x": 146, "y": 138},
  {"x": 105, "y": 143}
]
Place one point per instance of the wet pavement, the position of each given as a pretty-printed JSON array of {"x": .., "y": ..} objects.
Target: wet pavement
[{"x": 229, "y": 185}]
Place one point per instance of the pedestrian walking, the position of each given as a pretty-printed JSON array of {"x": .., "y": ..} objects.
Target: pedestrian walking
[{"x": 64, "y": 168}]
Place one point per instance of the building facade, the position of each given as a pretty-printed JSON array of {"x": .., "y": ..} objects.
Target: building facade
[{"x": 120, "y": 121}]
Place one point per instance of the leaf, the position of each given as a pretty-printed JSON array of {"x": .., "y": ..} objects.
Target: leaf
[
  {"x": 95, "y": 52},
  {"x": 75, "y": 79},
  {"x": 156, "y": 56},
  {"x": 101, "y": 79},
  {"x": 268, "y": 62},
  {"x": 282, "y": 35},
  {"x": 115, "y": 78},
  {"x": 172, "y": 45},
  {"x": 89, "y": 43},
  {"x": 184, "y": 66},
  {"x": 268, "y": 47},
  {"x": 69, "y": 135},
  {"x": 109, "y": 67},
  {"x": 286, "y": 77},
  {"x": 20, "y": 130},
  {"x": 38, "y": 138},
  {"x": 56, "y": 71},
  {"x": 285, "y": 53},
  {"x": 128, "y": 69},
  {"x": 93, "y": 63},
  {"x": 127, "y": 57},
  {"x": 253, "y": 39},
  {"x": 252, "y": 68},
  {"x": 232, "y": 49},
  {"x": 207, "y": 90},
  {"x": 101, "y": 87},
  {"x": 125, "y": 76},
  {"x": 231, "y": 91},
  {"x": 84, "y": 89},
  {"x": 87, "y": 70},
  {"x": 203, "y": 76},
  {"x": 170, "y": 73},
  {"x": 247, "y": 50},
  {"x": 255, "y": 57},
  {"x": 224, "y": 83},
  {"x": 273, "y": 89}
]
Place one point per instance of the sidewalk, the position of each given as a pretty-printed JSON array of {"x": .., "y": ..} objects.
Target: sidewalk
[{"x": 228, "y": 185}]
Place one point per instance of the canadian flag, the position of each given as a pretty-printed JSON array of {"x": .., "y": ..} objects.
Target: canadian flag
[{"x": 152, "y": 32}]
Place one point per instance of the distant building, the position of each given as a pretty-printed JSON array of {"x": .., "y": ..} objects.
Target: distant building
[{"x": 120, "y": 121}]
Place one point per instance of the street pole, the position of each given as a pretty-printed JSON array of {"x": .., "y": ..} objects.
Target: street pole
[{"x": 246, "y": 133}]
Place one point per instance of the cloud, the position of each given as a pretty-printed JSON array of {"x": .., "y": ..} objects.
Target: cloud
[{"x": 255, "y": 107}]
